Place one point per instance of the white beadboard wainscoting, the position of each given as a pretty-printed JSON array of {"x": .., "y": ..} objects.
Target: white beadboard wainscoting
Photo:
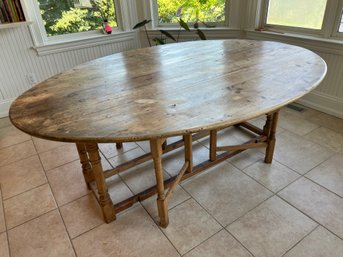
[
  {"x": 19, "y": 61},
  {"x": 328, "y": 96}
]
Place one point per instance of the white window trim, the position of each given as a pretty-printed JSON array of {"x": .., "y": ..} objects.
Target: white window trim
[
  {"x": 338, "y": 18},
  {"x": 328, "y": 30},
  {"x": 126, "y": 16}
]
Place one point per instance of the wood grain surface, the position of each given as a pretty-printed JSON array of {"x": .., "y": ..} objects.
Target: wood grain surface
[{"x": 167, "y": 90}]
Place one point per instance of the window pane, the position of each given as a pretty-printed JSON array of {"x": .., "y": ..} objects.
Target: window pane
[
  {"x": 341, "y": 25},
  {"x": 71, "y": 16},
  {"x": 297, "y": 13},
  {"x": 191, "y": 10}
]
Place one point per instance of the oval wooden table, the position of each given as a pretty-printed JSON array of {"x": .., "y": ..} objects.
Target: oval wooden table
[{"x": 190, "y": 89}]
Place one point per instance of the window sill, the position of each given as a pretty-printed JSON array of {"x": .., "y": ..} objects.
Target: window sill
[
  {"x": 82, "y": 42},
  {"x": 330, "y": 45},
  {"x": 14, "y": 24},
  {"x": 211, "y": 33}
]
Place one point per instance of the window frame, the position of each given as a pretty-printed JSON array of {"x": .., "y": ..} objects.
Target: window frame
[
  {"x": 339, "y": 16},
  {"x": 40, "y": 37},
  {"x": 156, "y": 24},
  {"x": 328, "y": 29}
]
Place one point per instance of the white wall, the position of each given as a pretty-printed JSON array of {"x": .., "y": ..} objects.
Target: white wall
[
  {"x": 328, "y": 96},
  {"x": 18, "y": 58}
]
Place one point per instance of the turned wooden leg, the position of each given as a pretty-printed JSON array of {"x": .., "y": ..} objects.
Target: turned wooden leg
[
  {"x": 188, "y": 152},
  {"x": 104, "y": 198},
  {"x": 267, "y": 126},
  {"x": 213, "y": 145},
  {"x": 119, "y": 145},
  {"x": 162, "y": 205},
  {"x": 271, "y": 138},
  {"x": 86, "y": 166}
]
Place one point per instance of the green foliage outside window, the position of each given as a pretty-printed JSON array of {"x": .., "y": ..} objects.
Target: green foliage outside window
[
  {"x": 64, "y": 16},
  {"x": 191, "y": 10}
]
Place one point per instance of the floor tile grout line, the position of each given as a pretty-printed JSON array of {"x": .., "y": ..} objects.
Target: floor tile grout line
[
  {"x": 10, "y": 163},
  {"x": 302, "y": 174},
  {"x": 205, "y": 209},
  {"x": 6, "y": 230},
  {"x": 27, "y": 190},
  {"x": 250, "y": 210},
  {"x": 103, "y": 223},
  {"x": 65, "y": 227},
  {"x": 274, "y": 192},
  {"x": 59, "y": 166},
  {"x": 33, "y": 140},
  {"x": 290, "y": 249},
  {"x": 317, "y": 183},
  {"x": 307, "y": 215},
  {"x": 24, "y": 141},
  {"x": 31, "y": 219},
  {"x": 56, "y": 206},
  {"x": 222, "y": 229},
  {"x": 208, "y": 214},
  {"x": 239, "y": 241},
  {"x": 74, "y": 200},
  {"x": 25, "y": 158},
  {"x": 160, "y": 229}
]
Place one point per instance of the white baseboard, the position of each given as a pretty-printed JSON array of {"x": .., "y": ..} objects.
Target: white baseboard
[
  {"x": 316, "y": 100},
  {"x": 5, "y": 107},
  {"x": 323, "y": 102}
]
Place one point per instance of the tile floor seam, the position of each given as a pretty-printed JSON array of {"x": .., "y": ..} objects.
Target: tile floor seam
[
  {"x": 257, "y": 181},
  {"x": 26, "y": 157},
  {"x": 222, "y": 229},
  {"x": 52, "y": 192},
  {"x": 103, "y": 155},
  {"x": 141, "y": 147},
  {"x": 34, "y": 144},
  {"x": 66, "y": 230},
  {"x": 122, "y": 212},
  {"x": 205, "y": 209},
  {"x": 300, "y": 176},
  {"x": 35, "y": 187},
  {"x": 250, "y": 210},
  {"x": 6, "y": 230},
  {"x": 160, "y": 229},
  {"x": 276, "y": 192},
  {"x": 38, "y": 216},
  {"x": 1, "y": 148},
  {"x": 307, "y": 215},
  {"x": 239, "y": 241},
  {"x": 202, "y": 240},
  {"x": 3, "y": 166},
  {"x": 318, "y": 225},
  {"x": 228, "y": 160},
  {"x": 300, "y": 135},
  {"x": 50, "y": 170},
  {"x": 324, "y": 187},
  {"x": 107, "y": 158},
  {"x": 76, "y": 199},
  {"x": 333, "y": 153}
]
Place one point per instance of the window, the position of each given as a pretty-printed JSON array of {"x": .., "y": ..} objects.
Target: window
[
  {"x": 206, "y": 11},
  {"x": 307, "y": 14},
  {"x": 71, "y": 16},
  {"x": 340, "y": 28}
]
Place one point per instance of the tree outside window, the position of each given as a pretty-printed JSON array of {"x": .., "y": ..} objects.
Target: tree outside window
[
  {"x": 72, "y": 16},
  {"x": 191, "y": 10}
]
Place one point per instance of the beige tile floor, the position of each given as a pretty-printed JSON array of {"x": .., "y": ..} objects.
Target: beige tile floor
[{"x": 242, "y": 207}]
